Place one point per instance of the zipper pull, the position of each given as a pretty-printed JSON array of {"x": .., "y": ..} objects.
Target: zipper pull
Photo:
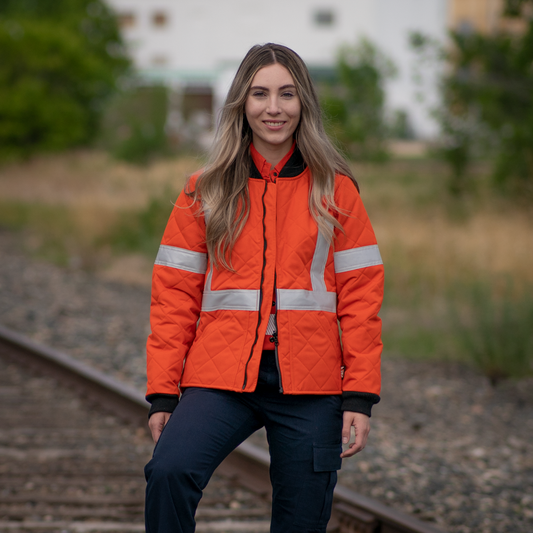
[{"x": 274, "y": 339}]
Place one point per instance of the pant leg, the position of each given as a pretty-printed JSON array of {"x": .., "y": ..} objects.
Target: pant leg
[
  {"x": 205, "y": 427},
  {"x": 304, "y": 434}
]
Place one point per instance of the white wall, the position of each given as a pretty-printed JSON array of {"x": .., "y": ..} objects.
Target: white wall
[
  {"x": 205, "y": 40},
  {"x": 393, "y": 20}
]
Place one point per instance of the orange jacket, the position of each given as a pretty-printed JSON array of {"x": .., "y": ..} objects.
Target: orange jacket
[{"x": 208, "y": 325}]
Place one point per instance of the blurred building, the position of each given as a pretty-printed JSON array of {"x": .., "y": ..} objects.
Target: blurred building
[
  {"x": 478, "y": 15},
  {"x": 484, "y": 16},
  {"x": 195, "y": 47}
]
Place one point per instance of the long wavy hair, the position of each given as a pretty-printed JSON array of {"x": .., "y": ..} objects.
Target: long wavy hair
[{"x": 223, "y": 185}]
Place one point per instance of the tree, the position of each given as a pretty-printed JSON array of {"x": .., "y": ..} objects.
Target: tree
[
  {"x": 487, "y": 100},
  {"x": 60, "y": 62},
  {"x": 354, "y": 102}
]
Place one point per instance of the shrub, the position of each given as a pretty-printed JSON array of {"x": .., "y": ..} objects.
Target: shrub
[
  {"x": 495, "y": 330},
  {"x": 60, "y": 62},
  {"x": 354, "y": 103},
  {"x": 487, "y": 100},
  {"x": 134, "y": 127}
]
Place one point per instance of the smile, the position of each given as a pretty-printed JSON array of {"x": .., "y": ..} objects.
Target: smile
[{"x": 270, "y": 123}]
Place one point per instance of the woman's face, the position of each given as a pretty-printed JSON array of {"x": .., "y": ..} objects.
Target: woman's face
[{"x": 273, "y": 110}]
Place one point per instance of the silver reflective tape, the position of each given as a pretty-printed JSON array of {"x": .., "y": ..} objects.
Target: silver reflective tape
[
  {"x": 182, "y": 259},
  {"x": 318, "y": 266},
  {"x": 355, "y": 258},
  {"x": 302, "y": 300},
  {"x": 208, "y": 279},
  {"x": 235, "y": 300}
]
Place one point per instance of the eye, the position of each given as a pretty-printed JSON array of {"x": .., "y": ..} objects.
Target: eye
[
  {"x": 287, "y": 94},
  {"x": 258, "y": 94}
]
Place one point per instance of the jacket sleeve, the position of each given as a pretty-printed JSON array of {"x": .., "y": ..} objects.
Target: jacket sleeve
[
  {"x": 359, "y": 278},
  {"x": 177, "y": 286}
]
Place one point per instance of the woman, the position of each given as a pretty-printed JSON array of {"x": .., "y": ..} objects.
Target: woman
[{"x": 266, "y": 251}]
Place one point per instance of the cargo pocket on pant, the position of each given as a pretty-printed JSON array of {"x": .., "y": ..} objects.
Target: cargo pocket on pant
[{"x": 326, "y": 459}]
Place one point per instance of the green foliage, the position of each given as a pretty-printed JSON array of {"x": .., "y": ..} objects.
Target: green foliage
[
  {"x": 400, "y": 126},
  {"x": 60, "y": 62},
  {"x": 515, "y": 8},
  {"x": 354, "y": 103},
  {"x": 141, "y": 230},
  {"x": 495, "y": 330},
  {"x": 488, "y": 103},
  {"x": 134, "y": 126}
]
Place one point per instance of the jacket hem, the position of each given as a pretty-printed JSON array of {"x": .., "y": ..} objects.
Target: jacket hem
[{"x": 333, "y": 392}]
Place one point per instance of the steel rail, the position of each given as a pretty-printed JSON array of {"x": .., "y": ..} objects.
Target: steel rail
[{"x": 248, "y": 464}]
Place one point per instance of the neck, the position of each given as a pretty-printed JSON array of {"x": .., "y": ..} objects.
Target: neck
[{"x": 273, "y": 153}]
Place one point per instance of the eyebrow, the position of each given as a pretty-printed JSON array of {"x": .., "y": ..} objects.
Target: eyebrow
[{"x": 288, "y": 86}]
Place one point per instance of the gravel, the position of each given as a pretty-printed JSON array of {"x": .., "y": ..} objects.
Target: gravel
[
  {"x": 103, "y": 324},
  {"x": 445, "y": 445}
]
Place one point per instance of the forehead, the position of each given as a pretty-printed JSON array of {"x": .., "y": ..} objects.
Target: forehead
[{"x": 274, "y": 75}]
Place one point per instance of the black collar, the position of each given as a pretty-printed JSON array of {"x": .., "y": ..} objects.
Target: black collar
[{"x": 293, "y": 167}]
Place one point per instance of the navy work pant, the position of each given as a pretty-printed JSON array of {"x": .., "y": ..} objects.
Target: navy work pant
[{"x": 304, "y": 436}]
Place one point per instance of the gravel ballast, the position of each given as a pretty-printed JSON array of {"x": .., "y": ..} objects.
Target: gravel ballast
[{"x": 445, "y": 445}]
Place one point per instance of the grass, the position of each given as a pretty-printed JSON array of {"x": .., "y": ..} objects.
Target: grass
[
  {"x": 140, "y": 230},
  {"x": 56, "y": 228},
  {"x": 494, "y": 325},
  {"x": 84, "y": 208},
  {"x": 438, "y": 252},
  {"x": 81, "y": 208}
]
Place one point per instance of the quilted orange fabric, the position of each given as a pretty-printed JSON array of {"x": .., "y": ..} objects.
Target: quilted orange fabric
[{"x": 208, "y": 325}]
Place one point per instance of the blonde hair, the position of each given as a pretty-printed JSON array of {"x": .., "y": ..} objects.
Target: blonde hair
[{"x": 223, "y": 186}]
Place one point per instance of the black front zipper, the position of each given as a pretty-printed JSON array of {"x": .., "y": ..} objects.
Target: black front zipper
[
  {"x": 274, "y": 339},
  {"x": 260, "y": 290}
]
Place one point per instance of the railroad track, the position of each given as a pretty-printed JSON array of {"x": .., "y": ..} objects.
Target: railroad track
[{"x": 73, "y": 443}]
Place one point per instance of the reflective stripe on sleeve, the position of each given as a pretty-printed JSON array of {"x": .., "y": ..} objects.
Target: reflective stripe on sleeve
[
  {"x": 356, "y": 258},
  {"x": 234, "y": 300},
  {"x": 182, "y": 259},
  {"x": 302, "y": 300}
]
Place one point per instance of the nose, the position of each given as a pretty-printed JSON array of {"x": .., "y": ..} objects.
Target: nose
[{"x": 273, "y": 106}]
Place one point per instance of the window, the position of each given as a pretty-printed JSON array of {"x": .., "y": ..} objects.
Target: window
[
  {"x": 160, "y": 19},
  {"x": 126, "y": 19},
  {"x": 159, "y": 61},
  {"x": 465, "y": 27},
  {"x": 324, "y": 17}
]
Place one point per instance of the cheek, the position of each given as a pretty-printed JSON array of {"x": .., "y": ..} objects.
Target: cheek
[
  {"x": 297, "y": 116},
  {"x": 250, "y": 108},
  {"x": 297, "y": 111}
]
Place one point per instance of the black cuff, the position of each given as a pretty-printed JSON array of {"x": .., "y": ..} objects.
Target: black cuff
[
  {"x": 359, "y": 402},
  {"x": 162, "y": 403}
]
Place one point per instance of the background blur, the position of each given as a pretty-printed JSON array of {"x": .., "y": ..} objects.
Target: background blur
[{"x": 106, "y": 107}]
